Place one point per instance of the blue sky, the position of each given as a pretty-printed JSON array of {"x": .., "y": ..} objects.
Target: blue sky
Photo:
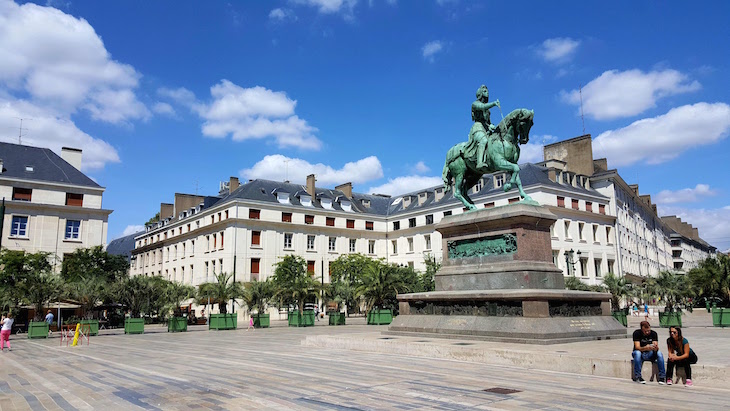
[{"x": 168, "y": 97}]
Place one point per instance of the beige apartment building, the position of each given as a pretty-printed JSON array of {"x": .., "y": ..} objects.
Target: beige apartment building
[{"x": 51, "y": 206}]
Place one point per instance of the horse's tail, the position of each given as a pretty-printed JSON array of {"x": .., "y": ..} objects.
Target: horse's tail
[
  {"x": 446, "y": 175},
  {"x": 451, "y": 155}
]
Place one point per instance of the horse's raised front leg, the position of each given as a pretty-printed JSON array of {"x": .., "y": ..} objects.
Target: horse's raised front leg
[
  {"x": 458, "y": 169},
  {"x": 504, "y": 165}
]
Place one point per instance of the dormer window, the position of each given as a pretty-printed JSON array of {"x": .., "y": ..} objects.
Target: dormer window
[
  {"x": 28, "y": 169},
  {"x": 346, "y": 205},
  {"x": 305, "y": 200},
  {"x": 406, "y": 201},
  {"x": 498, "y": 180},
  {"x": 365, "y": 203},
  {"x": 282, "y": 197},
  {"x": 326, "y": 203}
]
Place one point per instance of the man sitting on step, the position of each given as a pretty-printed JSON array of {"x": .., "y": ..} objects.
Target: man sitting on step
[{"x": 646, "y": 348}]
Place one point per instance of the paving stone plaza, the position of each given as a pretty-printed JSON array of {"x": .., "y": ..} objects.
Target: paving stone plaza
[{"x": 271, "y": 369}]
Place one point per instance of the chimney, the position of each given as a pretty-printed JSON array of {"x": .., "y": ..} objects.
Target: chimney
[
  {"x": 345, "y": 188},
  {"x": 233, "y": 184},
  {"x": 600, "y": 165},
  {"x": 166, "y": 210},
  {"x": 310, "y": 185},
  {"x": 72, "y": 156}
]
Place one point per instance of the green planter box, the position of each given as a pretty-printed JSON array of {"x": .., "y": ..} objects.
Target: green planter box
[
  {"x": 177, "y": 324},
  {"x": 38, "y": 329},
  {"x": 380, "y": 317},
  {"x": 134, "y": 326},
  {"x": 301, "y": 320},
  {"x": 261, "y": 321},
  {"x": 673, "y": 319},
  {"x": 223, "y": 322},
  {"x": 721, "y": 317},
  {"x": 93, "y": 326},
  {"x": 621, "y": 317},
  {"x": 336, "y": 318}
]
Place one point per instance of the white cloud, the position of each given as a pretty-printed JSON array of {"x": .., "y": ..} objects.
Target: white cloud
[
  {"x": 163, "y": 108},
  {"x": 405, "y": 184},
  {"x": 280, "y": 168},
  {"x": 532, "y": 152},
  {"x": 713, "y": 224},
  {"x": 421, "y": 168},
  {"x": 659, "y": 139},
  {"x": 51, "y": 131},
  {"x": 345, "y": 7},
  {"x": 685, "y": 195},
  {"x": 131, "y": 229},
  {"x": 248, "y": 113},
  {"x": 280, "y": 14},
  {"x": 430, "y": 49},
  {"x": 557, "y": 50},
  {"x": 616, "y": 94},
  {"x": 58, "y": 61}
]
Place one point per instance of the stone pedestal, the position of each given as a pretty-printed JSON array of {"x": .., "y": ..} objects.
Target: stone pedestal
[{"x": 498, "y": 282}]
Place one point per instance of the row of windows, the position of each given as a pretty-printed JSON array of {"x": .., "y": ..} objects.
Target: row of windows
[
  {"x": 171, "y": 233},
  {"x": 26, "y": 194},
  {"x": 412, "y": 221},
  {"x": 19, "y": 228},
  {"x": 579, "y": 267},
  {"x": 595, "y": 233},
  {"x": 286, "y": 217},
  {"x": 575, "y": 205}
]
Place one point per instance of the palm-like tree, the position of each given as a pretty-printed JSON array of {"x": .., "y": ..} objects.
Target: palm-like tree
[
  {"x": 711, "y": 278},
  {"x": 88, "y": 291},
  {"x": 380, "y": 283},
  {"x": 617, "y": 286},
  {"x": 221, "y": 291},
  {"x": 257, "y": 294},
  {"x": 292, "y": 284},
  {"x": 671, "y": 287},
  {"x": 175, "y": 294},
  {"x": 40, "y": 288}
]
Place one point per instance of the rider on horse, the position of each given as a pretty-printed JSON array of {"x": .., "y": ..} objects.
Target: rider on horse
[{"x": 482, "y": 128}]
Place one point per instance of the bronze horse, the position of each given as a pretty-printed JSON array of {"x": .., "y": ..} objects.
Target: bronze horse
[{"x": 502, "y": 154}]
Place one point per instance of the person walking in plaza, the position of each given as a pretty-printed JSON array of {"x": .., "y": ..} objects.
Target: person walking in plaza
[
  {"x": 250, "y": 323},
  {"x": 679, "y": 355},
  {"x": 646, "y": 311},
  {"x": 646, "y": 348},
  {"x": 5, "y": 330},
  {"x": 49, "y": 320}
]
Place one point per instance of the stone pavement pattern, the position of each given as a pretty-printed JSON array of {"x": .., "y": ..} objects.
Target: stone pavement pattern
[{"x": 271, "y": 370}]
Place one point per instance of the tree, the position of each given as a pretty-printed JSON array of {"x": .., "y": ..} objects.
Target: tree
[
  {"x": 175, "y": 293},
  {"x": 292, "y": 284},
  {"x": 257, "y": 294},
  {"x": 427, "y": 278},
  {"x": 16, "y": 267},
  {"x": 573, "y": 283},
  {"x": 88, "y": 291},
  {"x": 39, "y": 288},
  {"x": 141, "y": 294},
  {"x": 154, "y": 219},
  {"x": 617, "y": 286},
  {"x": 672, "y": 288},
  {"x": 221, "y": 291},
  {"x": 94, "y": 262},
  {"x": 711, "y": 279},
  {"x": 381, "y": 283},
  {"x": 346, "y": 275}
]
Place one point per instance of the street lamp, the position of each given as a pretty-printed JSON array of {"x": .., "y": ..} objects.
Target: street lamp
[{"x": 570, "y": 262}]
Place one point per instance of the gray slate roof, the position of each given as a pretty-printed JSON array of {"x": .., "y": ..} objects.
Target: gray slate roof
[
  {"x": 123, "y": 245},
  {"x": 47, "y": 166},
  {"x": 266, "y": 191}
]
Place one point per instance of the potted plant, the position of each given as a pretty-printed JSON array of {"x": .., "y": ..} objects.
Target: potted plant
[
  {"x": 136, "y": 293},
  {"x": 220, "y": 292},
  {"x": 294, "y": 287},
  {"x": 175, "y": 294},
  {"x": 672, "y": 289},
  {"x": 380, "y": 284},
  {"x": 88, "y": 291},
  {"x": 40, "y": 287},
  {"x": 336, "y": 294},
  {"x": 619, "y": 289},
  {"x": 256, "y": 296},
  {"x": 711, "y": 280}
]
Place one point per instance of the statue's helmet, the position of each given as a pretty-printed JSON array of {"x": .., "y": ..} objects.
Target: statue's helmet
[{"x": 482, "y": 91}]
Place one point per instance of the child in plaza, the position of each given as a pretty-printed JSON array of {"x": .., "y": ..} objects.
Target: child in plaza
[
  {"x": 250, "y": 323},
  {"x": 646, "y": 348},
  {"x": 5, "y": 330},
  {"x": 680, "y": 355}
]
